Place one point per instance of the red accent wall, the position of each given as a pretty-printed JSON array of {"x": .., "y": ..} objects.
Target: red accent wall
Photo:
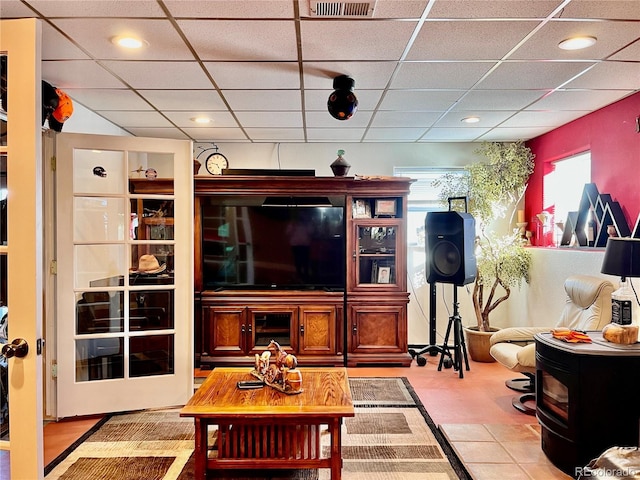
[{"x": 610, "y": 134}]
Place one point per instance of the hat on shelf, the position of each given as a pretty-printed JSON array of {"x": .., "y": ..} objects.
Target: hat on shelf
[{"x": 148, "y": 265}]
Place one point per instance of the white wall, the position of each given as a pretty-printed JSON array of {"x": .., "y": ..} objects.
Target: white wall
[{"x": 365, "y": 159}]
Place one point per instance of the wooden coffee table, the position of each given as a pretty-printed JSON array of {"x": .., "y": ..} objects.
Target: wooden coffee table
[{"x": 264, "y": 428}]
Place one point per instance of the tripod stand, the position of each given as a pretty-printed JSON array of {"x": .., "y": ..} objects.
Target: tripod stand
[
  {"x": 459, "y": 346},
  {"x": 432, "y": 349}
]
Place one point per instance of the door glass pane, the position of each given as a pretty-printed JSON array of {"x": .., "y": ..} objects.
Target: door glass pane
[
  {"x": 98, "y": 172},
  {"x": 151, "y": 219},
  {"x": 99, "y": 312},
  {"x": 150, "y": 310},
  {"x": 3, "y": 200},
  {"x": 151, "y": 166},
  {"x": 99, "y": 359},
  {"x": 151, "y": 264},
  {"x": 98, "y": 219},
  {"x": 4, "y": 338},
  {"x": 376, "y": 254},
  {"x": 151, "y": 355},
  {"x": 99, "y": 265}
]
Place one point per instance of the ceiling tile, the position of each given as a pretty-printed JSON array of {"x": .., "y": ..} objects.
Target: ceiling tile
[
  {"x": 602, "y": 9},
  {"x": 278, "y": 134},
  {"x": 208, "y": 134},
  {"x": 335, "y": 134},
  {"x": 493, "y": 9},
  {"x": 56, "y": 47},
  {"x": 453, "y": 134},
  {"x": 221, "y": 9},
  {"x": 546, "y": 118},
  {"x": 609, "y": 75},
  {"x": 577, "y": 100},
  {"x": 15, "y": 9},
  {"x": 270, "y": 119},
  {"x": 367, "y": 75},
  {"x": 184, "y": 119},
  {"x": 263, "y": 100},
  {"x": 630, "y": 53},
  {"x": 509, "y": 134},
  {"x": 460, "y": 40},
  {"x": 149, "y": 75},
  {"x": 404, "y": 119},
  {"x": 611, "y": 36},
  {"x": 205, "y": 100},
  {"x": 396, "y": 9},
  {"x": 440, "y": 74},
  {"x": 394, "y": 134},
  {"x": 158, "y": 133},
  {"x": 355, "y": 40},
  {"x": 128, "y": 118},
  {"x": 531, "y": 75},
  {"x": 78, "y": 74},
  {"x": 96, "y": 34},
  {"x": 108, "y": 99},
  {"x": 497, "y": 99},
  {"x": 487, "y": 119},
  {"x": 232, "y": 40},
  {"x": 254, "y": 75},
  {"x": 96, "y": 8},
  {"x": 419, "y": 100}
]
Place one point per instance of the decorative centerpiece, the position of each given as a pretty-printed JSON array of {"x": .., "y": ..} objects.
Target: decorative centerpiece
[{"x": 277, "y": 369}]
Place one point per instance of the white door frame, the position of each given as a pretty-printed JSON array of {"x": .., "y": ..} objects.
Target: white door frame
[{"x": 21, "y": 40}]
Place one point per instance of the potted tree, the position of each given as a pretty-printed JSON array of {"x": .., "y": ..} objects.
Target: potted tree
[{"x": 494, "y": 189}]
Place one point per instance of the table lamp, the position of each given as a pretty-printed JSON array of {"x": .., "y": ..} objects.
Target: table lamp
[{"x": 622, "y": 258}]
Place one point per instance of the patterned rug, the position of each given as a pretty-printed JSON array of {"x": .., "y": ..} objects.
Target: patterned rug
[{"x": 391, "y": 437}]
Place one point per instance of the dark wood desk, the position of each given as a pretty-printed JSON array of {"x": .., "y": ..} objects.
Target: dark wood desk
[
  {"x": 264, "y": 428},
  {"x": 587, "y": 398}
]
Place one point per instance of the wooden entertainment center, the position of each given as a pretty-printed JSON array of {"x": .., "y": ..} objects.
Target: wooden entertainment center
[{"x": 365, "y": 322}]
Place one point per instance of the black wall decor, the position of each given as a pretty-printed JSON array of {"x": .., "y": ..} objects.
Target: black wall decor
[{"x": 601, "y": 212}]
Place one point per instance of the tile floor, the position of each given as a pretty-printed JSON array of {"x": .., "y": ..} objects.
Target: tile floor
[{"x": 494, "y": 440}]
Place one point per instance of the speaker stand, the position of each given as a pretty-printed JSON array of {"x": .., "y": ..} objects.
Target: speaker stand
[
  {"x": 432, "y": 349},
  {"x": 459, "y": 345}
]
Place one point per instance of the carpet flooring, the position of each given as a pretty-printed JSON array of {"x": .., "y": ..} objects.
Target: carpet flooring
[{"x": 391, "y": 437}]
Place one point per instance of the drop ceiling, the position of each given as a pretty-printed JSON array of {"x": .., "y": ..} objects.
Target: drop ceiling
[{"x": 262, "y": 70}]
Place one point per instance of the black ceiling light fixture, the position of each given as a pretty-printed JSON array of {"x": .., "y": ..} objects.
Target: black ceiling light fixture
[{"x": 342, "y": 103}]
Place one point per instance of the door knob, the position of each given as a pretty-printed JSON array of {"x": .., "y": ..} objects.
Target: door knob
[{"x": 18, "y": 348}]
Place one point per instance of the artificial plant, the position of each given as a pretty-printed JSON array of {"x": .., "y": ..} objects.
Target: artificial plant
[{"x": 494, "y": 186}]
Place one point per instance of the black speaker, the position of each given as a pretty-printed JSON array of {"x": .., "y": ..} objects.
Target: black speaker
[{"x": 450, "y": 245}]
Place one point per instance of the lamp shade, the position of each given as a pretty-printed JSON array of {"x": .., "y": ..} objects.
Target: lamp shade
[{"x": 622, "y": 257}]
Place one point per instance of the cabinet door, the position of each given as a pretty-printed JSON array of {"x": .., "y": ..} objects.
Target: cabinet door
[
  {"x": 277, "y": 322},
  {"x": 378, "y": 329},
  {"x": 378, "y": 255},
  {"x": 225, "y": 330},
  {"x": 317, "y": 329}
]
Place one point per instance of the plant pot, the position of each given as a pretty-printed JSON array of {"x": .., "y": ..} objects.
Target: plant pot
[{"x": 478, "y": 344}]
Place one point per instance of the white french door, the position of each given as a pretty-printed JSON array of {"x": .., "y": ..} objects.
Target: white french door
[
  {"x": 125, "y": 274},
  {"x": 21, "y": 253}
]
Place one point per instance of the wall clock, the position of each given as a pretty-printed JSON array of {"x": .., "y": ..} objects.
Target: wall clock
[{"x": 215, "y": 163}]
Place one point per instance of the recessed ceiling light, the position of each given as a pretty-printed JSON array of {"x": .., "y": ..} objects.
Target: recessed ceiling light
[
  {"x": 577, "y": 43},
  {"x": 470, "y": 119},
  {"x": 201, "y": 120},
  {"x": 129, "y": 42}
]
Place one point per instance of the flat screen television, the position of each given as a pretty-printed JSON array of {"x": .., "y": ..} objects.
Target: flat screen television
[{"x": 273, "y": 243}]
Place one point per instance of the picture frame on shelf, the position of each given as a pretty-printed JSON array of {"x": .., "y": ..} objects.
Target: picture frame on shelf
[
  {"x": 385, "y": 207},
  {"x": 384, "y": 274},
  {"x": 361, "y": 209}
]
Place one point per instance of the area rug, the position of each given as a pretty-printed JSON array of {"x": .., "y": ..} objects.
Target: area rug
[{"x": 391, "y": 437}]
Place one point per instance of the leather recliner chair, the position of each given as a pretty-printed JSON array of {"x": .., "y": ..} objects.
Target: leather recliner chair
[{"x": 587, "y": 307}]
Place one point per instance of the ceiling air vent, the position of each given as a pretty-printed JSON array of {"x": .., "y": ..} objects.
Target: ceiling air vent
[{"x": 341, "y": 9}]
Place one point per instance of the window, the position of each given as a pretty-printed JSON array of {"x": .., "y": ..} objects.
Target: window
[
  {"x": 424, "y": 197},
  {"x": 563, "y": 186}
]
